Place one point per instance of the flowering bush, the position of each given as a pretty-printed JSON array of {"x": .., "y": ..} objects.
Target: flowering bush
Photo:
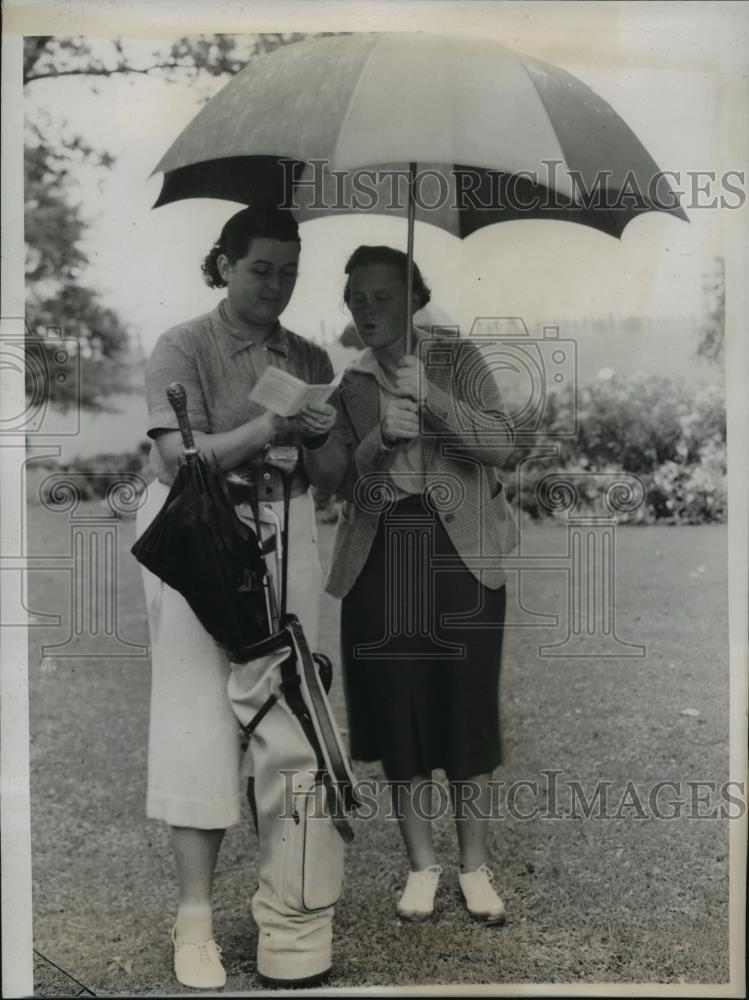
[
  {"x": 693, "y": 493},
  {"x": 671, "y": 436},
  {"x": 93, "y": 477}
]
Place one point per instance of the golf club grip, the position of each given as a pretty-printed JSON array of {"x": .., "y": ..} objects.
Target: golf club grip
[{"x": 177, "y": 397}]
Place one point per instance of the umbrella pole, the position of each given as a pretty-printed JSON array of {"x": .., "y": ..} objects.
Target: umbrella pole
[
  {"x": 410, "y": 257},
  {"x": 285, "y": 536}
]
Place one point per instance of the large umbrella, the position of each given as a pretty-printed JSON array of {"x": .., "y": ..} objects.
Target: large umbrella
[{"x": 463, "y": 133}]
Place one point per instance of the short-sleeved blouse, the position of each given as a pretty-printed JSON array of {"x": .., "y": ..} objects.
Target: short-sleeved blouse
[{"x": 218, "y": 367}]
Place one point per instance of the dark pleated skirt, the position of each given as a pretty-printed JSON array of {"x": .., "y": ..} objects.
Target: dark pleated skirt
[{"x": 421, "y": 651}]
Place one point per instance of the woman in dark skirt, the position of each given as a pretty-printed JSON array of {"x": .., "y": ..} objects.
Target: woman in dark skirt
[{"x": 417, "y": 561}]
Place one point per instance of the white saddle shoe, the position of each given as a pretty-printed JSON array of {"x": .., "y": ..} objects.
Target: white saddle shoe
[
  {"x": 417, "y": 901},
  {"x": 199, "y": 965},
  {"x": 479, "y": 896}
]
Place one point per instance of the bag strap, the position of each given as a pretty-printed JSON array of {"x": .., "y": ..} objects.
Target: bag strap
[
  {"x": 258, "y": 717},
  {"x": 322, "y": 720},
  {"x": 292, "y": 689},
  {"x": 318, "y": 726}
]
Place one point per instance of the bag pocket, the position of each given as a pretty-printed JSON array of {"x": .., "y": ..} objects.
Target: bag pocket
[{"x": 313, "y": 854}]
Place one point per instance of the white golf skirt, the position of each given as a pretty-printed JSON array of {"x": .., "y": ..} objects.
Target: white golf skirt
[{"x": 194, "y": 755}]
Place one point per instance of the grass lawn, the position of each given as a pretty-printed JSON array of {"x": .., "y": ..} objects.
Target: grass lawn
[{"x": 622, "y": 900}]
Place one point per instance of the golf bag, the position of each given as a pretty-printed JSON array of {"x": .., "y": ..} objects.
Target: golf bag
[
  {"x": 300, "y": 791},
  {"x": 300, "y": 787}
]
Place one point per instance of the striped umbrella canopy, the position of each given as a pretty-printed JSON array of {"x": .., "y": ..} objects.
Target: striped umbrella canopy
[{"x": 456, "y": 132}]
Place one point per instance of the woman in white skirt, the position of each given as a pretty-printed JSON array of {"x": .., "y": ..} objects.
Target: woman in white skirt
[{"x": 194, "y": 780}]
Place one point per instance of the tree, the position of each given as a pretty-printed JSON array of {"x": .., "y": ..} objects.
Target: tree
[
  {"x": 184, "y": 60},
  {"x": 58, "y": 299},
  {"x": 58, "y": 302},
  {"x": 713, "y": 333}
]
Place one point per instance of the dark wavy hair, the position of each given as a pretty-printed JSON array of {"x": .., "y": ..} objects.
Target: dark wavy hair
[
  {"x": 239, "y": 232},
  {"x": 364, "y": 256}
]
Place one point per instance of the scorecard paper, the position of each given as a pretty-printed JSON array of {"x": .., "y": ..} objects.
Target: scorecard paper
[{"x": 285, "y": 394}]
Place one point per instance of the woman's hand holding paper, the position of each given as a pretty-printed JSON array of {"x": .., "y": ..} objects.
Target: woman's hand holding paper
[{"x": 316, "y": 420}]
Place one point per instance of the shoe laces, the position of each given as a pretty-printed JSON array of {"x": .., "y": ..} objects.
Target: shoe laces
[
  {"x": 484, "y": 870},
  {"x": 204, "y": 949},
  {"x": 418, "y": 878}
]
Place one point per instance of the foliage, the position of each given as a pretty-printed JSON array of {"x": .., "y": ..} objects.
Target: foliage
[
  {"x": 712, "y": 337},
  {"x": 57, "y": 302},
  {"x": 671, "y": 436},
  {"x": 93, "y": 476},
  {"x": 58, "y": 297},
  {"x": 183, "y": 61},
  {"x": 693, "y": 493}
]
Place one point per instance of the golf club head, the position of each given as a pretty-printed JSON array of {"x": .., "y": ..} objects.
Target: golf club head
[
  {"x": 236, "y": 479},
  {"x": 284, "y": 458},
  {"x": 269, "y": 517}
]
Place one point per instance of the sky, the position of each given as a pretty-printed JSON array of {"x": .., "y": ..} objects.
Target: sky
[{"x": 663, "y": 72}]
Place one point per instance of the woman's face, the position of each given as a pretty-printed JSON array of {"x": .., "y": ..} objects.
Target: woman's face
[
  {"x": 377, "y": 300},
  {"x": 259, "y": 285}
]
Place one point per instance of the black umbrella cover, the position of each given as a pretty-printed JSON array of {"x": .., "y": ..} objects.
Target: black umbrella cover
[{"x": 198, "y": 546}]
